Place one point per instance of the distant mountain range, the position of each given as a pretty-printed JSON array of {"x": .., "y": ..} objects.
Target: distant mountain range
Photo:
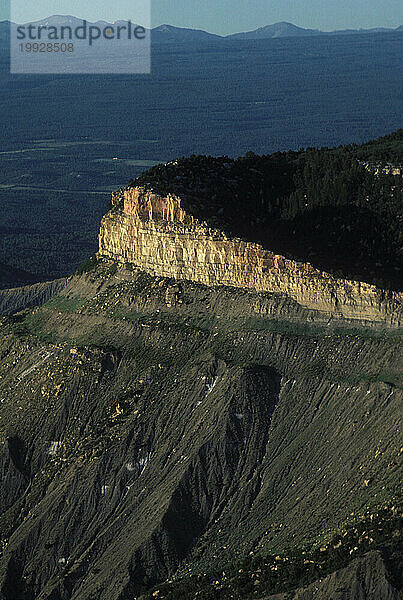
[
  {"x": 168, "y": 33},
  {"x": 284, "y": 29},
  {"x": 172, "y": 34}
]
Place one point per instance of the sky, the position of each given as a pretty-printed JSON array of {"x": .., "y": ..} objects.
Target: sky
[{"x": 220, "y": 16}]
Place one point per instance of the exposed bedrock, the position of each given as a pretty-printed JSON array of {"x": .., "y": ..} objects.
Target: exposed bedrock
[{"x": 159, "y": 236}]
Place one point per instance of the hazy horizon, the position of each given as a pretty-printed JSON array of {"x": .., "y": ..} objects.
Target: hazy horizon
[
  {"x": 154, "y": 26},
  {"x": 220, "y": 17}
]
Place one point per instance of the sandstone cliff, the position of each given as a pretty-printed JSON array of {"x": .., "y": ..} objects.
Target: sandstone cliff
[{"x": 156, "y": 234}]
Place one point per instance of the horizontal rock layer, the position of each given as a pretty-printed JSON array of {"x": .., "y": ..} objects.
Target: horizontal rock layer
[{"x": 158, "y": 235}]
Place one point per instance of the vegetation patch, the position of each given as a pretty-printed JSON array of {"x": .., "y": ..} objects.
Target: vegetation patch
[{"x": 257, "y": 576}]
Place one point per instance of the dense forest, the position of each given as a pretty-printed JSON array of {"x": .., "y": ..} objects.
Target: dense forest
[{"x": 338, "y": 208}]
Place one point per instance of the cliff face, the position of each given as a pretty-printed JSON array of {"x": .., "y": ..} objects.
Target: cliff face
[{"x": 158, "y": 235}]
